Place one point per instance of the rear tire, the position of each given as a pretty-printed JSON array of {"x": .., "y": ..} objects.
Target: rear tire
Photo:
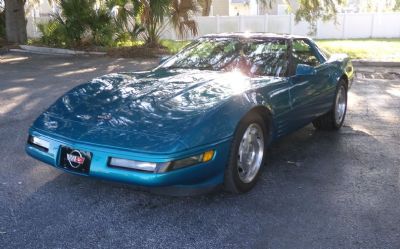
[
  {"x": 333, "y": 120},
  {"x": 247, "y": 154}
]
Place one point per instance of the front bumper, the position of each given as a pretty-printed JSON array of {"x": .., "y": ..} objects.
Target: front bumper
[{"x": 202, "y": 175}]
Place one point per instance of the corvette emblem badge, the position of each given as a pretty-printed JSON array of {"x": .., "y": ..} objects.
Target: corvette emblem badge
[{"x": 75, "y": 159}]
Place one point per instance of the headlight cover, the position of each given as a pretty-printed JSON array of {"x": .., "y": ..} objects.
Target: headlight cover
[
  {"x": 132, "y": 164},
  {"x": 161, "y": 167},
  {"x": 39, "y": 143}
]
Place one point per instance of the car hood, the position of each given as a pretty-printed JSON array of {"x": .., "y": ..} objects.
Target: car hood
[{"x": 147, "y": 111}]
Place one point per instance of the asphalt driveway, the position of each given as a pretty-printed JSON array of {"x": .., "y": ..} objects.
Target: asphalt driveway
[{"x": 319, "y": 189}]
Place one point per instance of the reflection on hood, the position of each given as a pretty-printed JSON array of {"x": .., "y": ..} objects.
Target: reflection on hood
[
  {"x": 152, "y": 99},
  {"x": 152, "y": 104}
]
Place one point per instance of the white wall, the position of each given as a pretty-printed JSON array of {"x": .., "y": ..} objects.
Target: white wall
[{"x": 360, "y": 25}]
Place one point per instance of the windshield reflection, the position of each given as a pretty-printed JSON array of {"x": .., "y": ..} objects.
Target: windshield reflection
[{"x": 253, "y": 57}]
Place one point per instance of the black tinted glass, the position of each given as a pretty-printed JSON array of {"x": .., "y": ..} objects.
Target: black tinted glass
[{"x": 303, "y": 54}]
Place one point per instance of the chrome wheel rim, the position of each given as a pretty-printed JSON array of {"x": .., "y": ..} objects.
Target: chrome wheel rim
[
  {"x": 251, "y": 153},
  {"x": 340, "y": 105}
]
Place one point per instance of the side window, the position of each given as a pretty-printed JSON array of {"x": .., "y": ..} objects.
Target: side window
[
  {"x": 268, "y": 58},
  {"x": 303, "y": 54}
]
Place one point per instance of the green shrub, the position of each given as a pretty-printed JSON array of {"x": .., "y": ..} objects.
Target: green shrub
[
  {"x": 102, "y": 27},
  {"x": 78, "y": 24},
  {"x": 75, "y": 17},
  {"x": 53, "y": 34}
]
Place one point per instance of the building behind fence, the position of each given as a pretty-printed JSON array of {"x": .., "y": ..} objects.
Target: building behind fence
[{"x": 346, "y": 26}]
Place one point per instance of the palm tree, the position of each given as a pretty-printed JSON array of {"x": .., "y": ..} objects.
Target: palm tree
[
  {"x": 181, "y": 17},
  {"x": 205, "y": 7},
  {"x": 154, "y": 15},
  {"x": 151, "y": 16},
  {"x": 125, "y": 15}
]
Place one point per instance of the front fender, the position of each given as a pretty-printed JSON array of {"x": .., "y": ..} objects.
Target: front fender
[
  {"x": 221, "y": 123},
  {"x": 345, "y": 67}
]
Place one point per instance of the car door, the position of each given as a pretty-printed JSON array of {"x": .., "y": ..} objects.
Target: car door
[
  {"x": 308, "y": 93},
  {"x": 269, "y": 63}
]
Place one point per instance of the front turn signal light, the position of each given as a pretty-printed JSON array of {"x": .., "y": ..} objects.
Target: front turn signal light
[
  {"x": 208, "y": 155},
  {"x": 189, "y": 161}
]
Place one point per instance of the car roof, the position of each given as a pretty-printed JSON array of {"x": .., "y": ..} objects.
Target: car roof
[{"x": 256, "y": 35}]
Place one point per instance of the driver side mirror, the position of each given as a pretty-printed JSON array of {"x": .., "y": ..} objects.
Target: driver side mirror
[{"x": 303, "y": 69}]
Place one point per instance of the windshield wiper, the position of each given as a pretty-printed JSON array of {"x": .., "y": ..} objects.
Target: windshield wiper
[{"x": 209, "y": 67}]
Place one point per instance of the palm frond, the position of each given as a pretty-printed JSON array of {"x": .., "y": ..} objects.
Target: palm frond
[{"x": 181, "y": 16}]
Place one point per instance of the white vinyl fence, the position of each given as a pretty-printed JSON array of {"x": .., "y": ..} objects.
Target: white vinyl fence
[
  {"x": 31, "y": 25},
  {"x": 349, "y": 25}
]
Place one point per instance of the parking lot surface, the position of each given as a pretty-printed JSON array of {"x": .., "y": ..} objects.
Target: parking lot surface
[{"x": 318, "y": 189}]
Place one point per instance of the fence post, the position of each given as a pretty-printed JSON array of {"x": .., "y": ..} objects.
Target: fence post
[
  {"x": 291, "y": 23},
  {"x": 218, "y": 24},
  {"x": 239, "y": 23},
  {"x": 344, "y": 26},
  {"x": 34, "y": 27},
  {"x": 266, "y": 23},
  {"x": 372, "y": 24},
  {"x": 31, "y": 23}
]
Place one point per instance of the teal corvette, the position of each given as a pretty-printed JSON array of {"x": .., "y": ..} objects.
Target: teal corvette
[{"x": 202, "y": 118}]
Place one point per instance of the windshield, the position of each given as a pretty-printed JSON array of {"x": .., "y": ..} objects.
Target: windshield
[{"x": 251, "y": 56}]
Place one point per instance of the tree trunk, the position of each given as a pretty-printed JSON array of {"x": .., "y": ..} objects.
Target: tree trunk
[
  {"x": 206, "y": 7},
  {"x": 15, "y": 21}
]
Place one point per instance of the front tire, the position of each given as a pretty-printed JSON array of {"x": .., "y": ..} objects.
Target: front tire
[
  {"x": 247, "y": 154},
  {"x": 333, "y": 120}
]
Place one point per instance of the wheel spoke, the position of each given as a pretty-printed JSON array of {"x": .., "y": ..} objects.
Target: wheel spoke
[
  {"x": 340, "y": 105},
  {"x": 251, "y": 152}
]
